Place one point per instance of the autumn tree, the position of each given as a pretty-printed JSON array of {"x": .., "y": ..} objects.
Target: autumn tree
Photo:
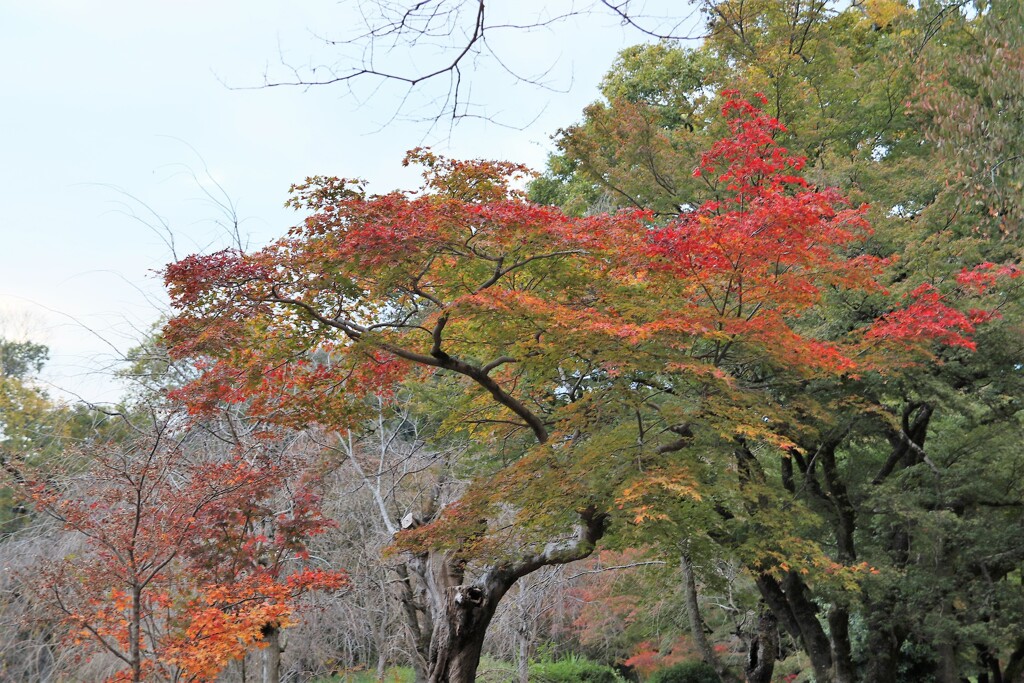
[
  {"x": 373, "y": 288},
  {"x": 597, "y": 355},
  {"x": 35, "y": 429},
  {"x": 177, "y": 575},
  {"x": 876, "y": 96},
  {"x": 744, "y": 308}
]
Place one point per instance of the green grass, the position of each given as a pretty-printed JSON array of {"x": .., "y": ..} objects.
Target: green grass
[
  {"x": 395, "y": 674},
  {"x": 495, "y": 671}
]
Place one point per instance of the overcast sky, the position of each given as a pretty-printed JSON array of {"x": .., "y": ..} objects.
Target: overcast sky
[{"x": 116, "y": 115}]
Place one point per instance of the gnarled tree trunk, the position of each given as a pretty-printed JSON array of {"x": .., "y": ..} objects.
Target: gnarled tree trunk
[
  {"x": 764, "y": 648},
  {"x": 458, "y": 637},
  {"x": 464, "y": 608}
]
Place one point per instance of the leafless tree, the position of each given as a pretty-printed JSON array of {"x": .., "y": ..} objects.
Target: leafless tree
[{"x": 439, "y": 48}]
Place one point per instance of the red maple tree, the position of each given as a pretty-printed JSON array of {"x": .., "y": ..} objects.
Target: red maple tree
[{"x": 182, "y": 561}]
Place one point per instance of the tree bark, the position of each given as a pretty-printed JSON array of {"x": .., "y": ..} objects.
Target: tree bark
[
  {"x": 272, "y": 654},
  {"x": 459, "y": 636},
  {"x": 707, "y": 653},
  {"x": 135, "y": 634},
  {"x": 946, "y": 670},
  {"x": 799, "y": 615},
  {"x": 417, "y": 615},
  {"x": 523, "y": 665},
  {"x": 842, "y": 655},
  {"x": 764, "y": 648},
  {"x": 464, "y": 609}
]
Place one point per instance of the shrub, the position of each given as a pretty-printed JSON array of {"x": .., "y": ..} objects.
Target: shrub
[
  {"x": 573, "y": 670},
  {"x": 686, "y": 672}
]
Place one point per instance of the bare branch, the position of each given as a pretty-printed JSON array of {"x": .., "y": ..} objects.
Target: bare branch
[{"x": 455, "y": 34}]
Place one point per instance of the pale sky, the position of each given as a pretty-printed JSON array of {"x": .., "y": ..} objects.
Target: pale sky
[{"x": 112, "y": 106}]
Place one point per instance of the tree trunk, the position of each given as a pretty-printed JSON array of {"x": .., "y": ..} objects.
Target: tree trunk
[
  {"x": 947, "y": 670},
  {"x": 463, "y": 610},
  {"x": 417, "y": 613},
  {"x": 382, "y": 663},
  {"x": 707, "y": 653},
  {"x": 842, "y": 656},
  {"x": 459, "y": 636},
  {"x": 799, "y": 615},
  {"x": 789, "y": 599},
  {"x": 523, "y": 665},
  {"x": 272, "y": 654},
  {"x": 135, "y": 635},
  {"x": 886, "y": 631},
  {"x": 764, "y": 648}
]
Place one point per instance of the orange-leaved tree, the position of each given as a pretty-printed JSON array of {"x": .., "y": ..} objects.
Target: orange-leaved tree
[
  {"x": 461, "y": 279},
  {"x": 179, "y": 561},
  {"x": 592, "y": 355}
]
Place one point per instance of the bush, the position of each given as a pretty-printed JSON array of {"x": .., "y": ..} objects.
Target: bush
[
  {"x": 687, "y": 672},
  {"x": 573, "y": 670}
]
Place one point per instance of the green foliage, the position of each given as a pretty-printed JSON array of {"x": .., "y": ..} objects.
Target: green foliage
[
  {"x": 563, "y": 185},
  {"x": 686, "y": 672},
  {"x": 674, "y": 82},
  {"x": 572, "y": 670},
  {"x": 395, "y": 674},
  {"x": 19, "y": 360},
  {"x": 35, "y": 430},
  {"x": 914, "y": 108}
]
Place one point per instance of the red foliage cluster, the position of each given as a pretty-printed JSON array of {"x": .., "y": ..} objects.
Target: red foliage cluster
[
  {"x": 648, "y": 656},
  {"x": 984, "y": 276},
  {"x": 928, "y": 318}
]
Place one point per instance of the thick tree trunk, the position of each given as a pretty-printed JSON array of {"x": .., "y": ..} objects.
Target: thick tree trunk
[
  {"x": 816, "y": 643},
  {"x": 946, "y": 670},
  {"x": 272, "y": 654},
  {"x": 463, "y": 610},
  {"x": 458, "y": 637},
  {"x": 764, "y": 648},
  {"x": 842, "y": 655},
  {"x": 799, "y": 616}
]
